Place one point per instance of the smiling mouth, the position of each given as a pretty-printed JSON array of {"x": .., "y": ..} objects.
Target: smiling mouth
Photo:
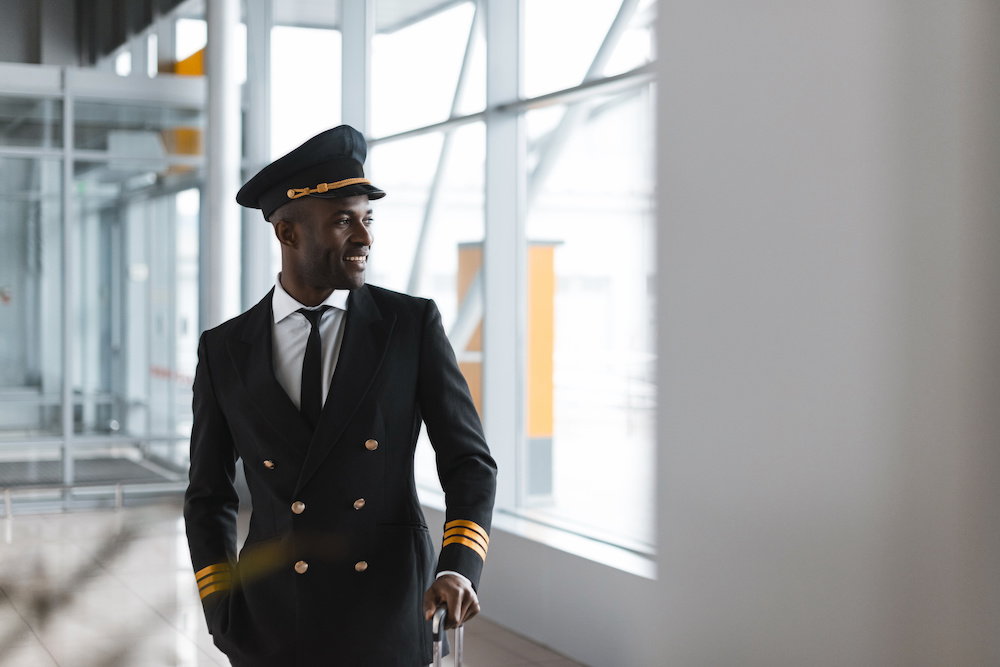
[{"x": 357, "y": 258}]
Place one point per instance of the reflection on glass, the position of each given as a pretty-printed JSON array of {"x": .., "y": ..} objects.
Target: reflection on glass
[
  {"x": 31, "y": 306},
  {"x": 31, "y": 121},
  {"x": 138, "y": 130},
  {"x": 590, "y": 326}
]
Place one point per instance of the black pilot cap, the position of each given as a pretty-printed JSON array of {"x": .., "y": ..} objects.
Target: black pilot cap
[{"x": 327, "y": 166}]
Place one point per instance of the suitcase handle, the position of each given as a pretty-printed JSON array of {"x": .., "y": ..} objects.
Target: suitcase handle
[{"x": 438, "y": 631}]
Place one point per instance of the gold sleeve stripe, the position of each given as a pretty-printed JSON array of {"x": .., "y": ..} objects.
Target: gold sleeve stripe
[
  {"x": 468, "y": 524},
  {"x": 221, "y": 578},
  {"x": 205, "y": 571},
  {"x": 475, "y": 546},
  {"x": 205, "y": 592},
  {"x": 471, "y": 534}
]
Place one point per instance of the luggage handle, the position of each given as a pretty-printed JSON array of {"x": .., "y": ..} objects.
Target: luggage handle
[{"x": 438, "y": 631}]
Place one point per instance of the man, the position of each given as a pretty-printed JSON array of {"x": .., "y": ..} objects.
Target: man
[{"x": 320, "y": 389}]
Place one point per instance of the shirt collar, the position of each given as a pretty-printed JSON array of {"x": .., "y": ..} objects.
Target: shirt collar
[{"x": 283, "y": 305}]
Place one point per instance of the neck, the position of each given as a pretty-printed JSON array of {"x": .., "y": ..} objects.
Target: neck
[{"x": 304, "y": 294}]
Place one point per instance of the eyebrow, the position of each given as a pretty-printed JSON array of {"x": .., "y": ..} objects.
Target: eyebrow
[{"x": 348, "y": 211}]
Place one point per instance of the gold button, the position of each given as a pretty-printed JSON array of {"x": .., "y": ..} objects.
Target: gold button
[
  {"x": 360, "y": 566},
  {"x": 359, "y": 503},
  {"x": 371, "y": 445},
  {"x": 269, "y": 465},
  {"x": 298, "y": 507},
  {"x": 301, "y": 567}
]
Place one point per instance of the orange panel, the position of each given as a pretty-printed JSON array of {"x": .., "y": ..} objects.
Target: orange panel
[
  {"x": 541, "y": 329},
  {"x": 470, "y": 260},
  {"x": 193, "y": 65},
  {"x": 473, "y": 372}
]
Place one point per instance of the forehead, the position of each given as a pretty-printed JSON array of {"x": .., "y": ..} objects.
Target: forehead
[{"x": 358, "y": 204}]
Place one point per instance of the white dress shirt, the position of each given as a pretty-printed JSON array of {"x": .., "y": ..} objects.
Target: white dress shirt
[{"x": 290, "y": 332}]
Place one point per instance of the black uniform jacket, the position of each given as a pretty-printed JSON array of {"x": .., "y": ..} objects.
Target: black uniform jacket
[{"x": 338, "y": 553}]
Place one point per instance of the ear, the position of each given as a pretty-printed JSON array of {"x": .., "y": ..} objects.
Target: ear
[{"x": 285, "y": 232}]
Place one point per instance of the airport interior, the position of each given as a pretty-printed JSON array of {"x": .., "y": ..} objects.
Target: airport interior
[{"x": 723, "y": 279}]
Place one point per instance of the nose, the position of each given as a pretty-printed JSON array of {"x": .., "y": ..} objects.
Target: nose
[{"x": 361, "y": 234}]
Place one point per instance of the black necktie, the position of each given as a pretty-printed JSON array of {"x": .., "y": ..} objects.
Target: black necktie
[{"x": 311, "y": 398}]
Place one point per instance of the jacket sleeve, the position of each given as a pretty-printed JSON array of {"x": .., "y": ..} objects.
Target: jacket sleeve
[
  {"x": 465, "y": 467},
  {"x": 211, "y": 503}
]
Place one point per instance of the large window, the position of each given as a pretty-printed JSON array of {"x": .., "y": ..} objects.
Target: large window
[{"x": 583, "y": 270}]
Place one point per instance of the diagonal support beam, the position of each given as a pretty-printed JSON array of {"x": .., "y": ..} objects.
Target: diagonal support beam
[
  {"x": 419, "y": 253},
  {"x": 576, "y": 113}
]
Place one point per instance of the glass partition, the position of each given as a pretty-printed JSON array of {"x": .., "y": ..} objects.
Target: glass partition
[
  {"x": 31, "y": 121},
  {"x": 137, "y": 129},
  {"x": 98, "y": 293},
  {"x": 31, "y": 305}
]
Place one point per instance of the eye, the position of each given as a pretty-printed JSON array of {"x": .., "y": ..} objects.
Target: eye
[{"x": 368, "y": 221}]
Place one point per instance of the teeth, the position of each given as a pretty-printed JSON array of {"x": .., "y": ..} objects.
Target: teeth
[{"x": 359, "y": 258}]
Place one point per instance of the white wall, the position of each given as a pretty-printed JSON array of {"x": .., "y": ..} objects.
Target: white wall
[
  {"x": 830, "y": 332},
  {"x": 829, "y": 342}
]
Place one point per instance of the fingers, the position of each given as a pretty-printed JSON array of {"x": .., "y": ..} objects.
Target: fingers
[{"x": 458, "y": 596}]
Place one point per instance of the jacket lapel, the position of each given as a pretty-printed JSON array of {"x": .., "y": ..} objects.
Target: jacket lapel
[
  {"x": 366, "y": 338},
  {"x": 252, "y": 357}
]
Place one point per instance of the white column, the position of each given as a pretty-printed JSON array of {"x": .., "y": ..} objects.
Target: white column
[
  {"x": 357, "y": 24},
  {"x": 257, "y": 233},
  {"x": 221, "y": 249},
  {"x": 504, "y": 251}
]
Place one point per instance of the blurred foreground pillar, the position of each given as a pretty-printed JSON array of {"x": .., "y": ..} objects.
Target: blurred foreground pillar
[{"x": 829, "y": 309}]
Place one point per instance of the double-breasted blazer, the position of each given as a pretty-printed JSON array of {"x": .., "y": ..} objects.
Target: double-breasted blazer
[{"x": 338, "y": 553}]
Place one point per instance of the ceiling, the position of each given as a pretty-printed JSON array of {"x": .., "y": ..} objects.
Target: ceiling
[
  {"x": 390, "y": 15},
  {"x": 107, "y": 24}
]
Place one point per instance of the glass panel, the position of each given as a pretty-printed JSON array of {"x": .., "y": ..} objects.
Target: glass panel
[
  {"x": 138, "y": 130},
  {"x": 590, "y": 325},
  {"x": 428, "y": 241},
  {"x": 299, "y": 107},
  {"x": 137, "y": 245},
  {"x": 415, "y": 71},
  {"x": 31, "y": 297},
  {"x": 29, "y": 121},
  {"x": 547, "y": 69}
]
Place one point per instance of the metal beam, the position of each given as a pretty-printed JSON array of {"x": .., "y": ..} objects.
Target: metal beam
[
  {"x": 640, "y": 76},
  {"x": 68, "y": 283}
]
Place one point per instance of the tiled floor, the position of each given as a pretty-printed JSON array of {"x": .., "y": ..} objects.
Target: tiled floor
[{"x": 115, "y": 589}]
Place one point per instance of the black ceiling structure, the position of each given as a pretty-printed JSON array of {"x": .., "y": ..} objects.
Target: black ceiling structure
[{"x": 105, "y": 25}]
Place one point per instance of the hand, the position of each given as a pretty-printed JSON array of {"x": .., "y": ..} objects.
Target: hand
[{"x": 459, "y": 596}]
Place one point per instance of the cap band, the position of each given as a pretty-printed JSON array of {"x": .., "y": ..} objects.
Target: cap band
[{"x": 295, "y": 193}]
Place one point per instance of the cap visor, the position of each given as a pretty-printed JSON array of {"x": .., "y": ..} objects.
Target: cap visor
[{"x": 351, "y": 191}]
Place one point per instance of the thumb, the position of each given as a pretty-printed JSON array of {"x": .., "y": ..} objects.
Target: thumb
[{"x": 430, "y": 605}]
